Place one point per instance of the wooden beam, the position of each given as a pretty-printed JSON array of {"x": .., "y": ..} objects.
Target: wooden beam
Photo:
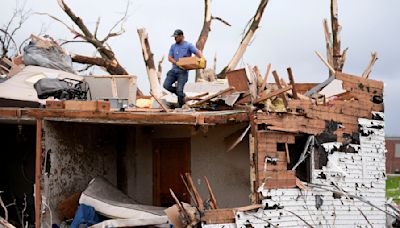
[
  {"x": 287, "y": 153},
  {"x": 38, "y": 173},
  {"x": 264, "y": 84},
  {"x": 273, "y": 94},
  {"x": 278, "y": 83},
  {"x": 165, "y": 108},
  {"x": 367, "y": 72},
  {"x": 291, "y": 80},
  {"x": 211, "y": 193},
  {"x": 326, "y": 63},
  {"x": 199, "y": 200},
  {"x": 209, "y": 97}
]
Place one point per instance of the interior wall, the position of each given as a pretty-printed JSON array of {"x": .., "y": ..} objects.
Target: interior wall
[
  {"x": 123, "y": 154},
  {"x": 228, "y": 172},
  {"x": 76, "y": 153}
]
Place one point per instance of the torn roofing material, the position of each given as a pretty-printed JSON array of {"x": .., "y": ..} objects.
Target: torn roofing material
[{"x": 20, "y": 86}]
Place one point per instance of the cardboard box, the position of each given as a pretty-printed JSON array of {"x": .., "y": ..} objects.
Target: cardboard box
[{"x": 192, "y": 63}]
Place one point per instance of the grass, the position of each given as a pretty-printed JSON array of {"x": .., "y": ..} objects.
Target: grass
[{"x": 393, "y": 188}]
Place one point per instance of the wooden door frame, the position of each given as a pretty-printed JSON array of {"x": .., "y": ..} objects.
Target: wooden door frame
[{"x": 157, "y": 162}]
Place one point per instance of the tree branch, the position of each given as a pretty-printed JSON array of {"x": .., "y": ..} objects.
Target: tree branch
[
  {"x": 255, "y": 21},
  {"x": 221, "y": 20}
]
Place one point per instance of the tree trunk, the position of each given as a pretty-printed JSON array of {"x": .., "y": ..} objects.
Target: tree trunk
[
  {"x": 337, "y": 57},
  {"x": 246, "y": 39},
  {"x": 201, "y": 41},
  {"x": 155, "y": 87}
]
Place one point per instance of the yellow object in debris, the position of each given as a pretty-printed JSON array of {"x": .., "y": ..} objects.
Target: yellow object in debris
[
  {"x": 275, "y": 105},
  {"x": 144, "y": 103}
]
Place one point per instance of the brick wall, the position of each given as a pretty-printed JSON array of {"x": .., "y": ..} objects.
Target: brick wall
[{"x": 392, "y": 162}]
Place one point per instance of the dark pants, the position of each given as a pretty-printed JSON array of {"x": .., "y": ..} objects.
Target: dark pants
[{"x": 181, "y": 77}]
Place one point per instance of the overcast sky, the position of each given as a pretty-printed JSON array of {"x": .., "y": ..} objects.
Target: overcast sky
[{"x": 290, "y": 32}]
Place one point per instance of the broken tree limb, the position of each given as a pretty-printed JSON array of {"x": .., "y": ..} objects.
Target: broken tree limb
[
  {"x": 201, "y": 41},
  {"x": 367, "y": 72},
  {"x": 159, "y": 69},
  {"x": 273, "y": 94},
  {"x": 212, "y": 96},
  {"x": 155, "y": 86},
  {"x": 255, "y": 21},
  {"x": 331, "y": 69},
  {"x": 211, "y": 193},
  {"x": 328, "y": 40},
  {"x": 291, "y": 80},
  {"x": 336, "y": 42},
  {"x": 110, "y": 62}
]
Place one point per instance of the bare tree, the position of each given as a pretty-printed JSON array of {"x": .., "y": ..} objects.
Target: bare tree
[
  {"x": 201, "y": 41},
  {"x": 107, "y": 57},
  {"x": 8, "y": 45},
  {"x": 255, "y": 21}
]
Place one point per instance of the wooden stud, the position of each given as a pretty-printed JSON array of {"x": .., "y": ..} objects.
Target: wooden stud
[
  {"x": 278, "y": 83},
  {"x": 273, "y": 94},
  {"x": 212, "y": 196},
  {"x": 291, "y": 80},
  {"x": 326, "y": 63},
  {"x": 165, "y": 108},
  {"x": 209, "y": 97}
]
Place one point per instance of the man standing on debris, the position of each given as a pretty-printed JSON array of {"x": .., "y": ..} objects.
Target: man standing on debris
[{"x": 179, "y": 49}]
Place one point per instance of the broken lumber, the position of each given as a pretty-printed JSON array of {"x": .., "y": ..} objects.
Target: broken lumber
[
  {"x": 273, "y": 94},
  {"x": 165, "y": 108},
  {"x": 212, "y": 96},
  {"x": 199, "y": 201},
  {"x": 213, "y": 200},
  {"x": 325, "y": 62},
  {"x": 291, "y": 80},
  {"x": 278, "y": 83},
  {"x": 367, "y": 72},
  {"x": 264, "y": 84}
]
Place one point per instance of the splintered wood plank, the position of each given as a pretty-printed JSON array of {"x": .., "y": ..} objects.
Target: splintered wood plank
[
  {"x": 80, "y": 105},
  {"x": 165, "y": 108},
  {"x": 209, "y": 97},
  {"x": 273, "y": 94},
  {"x": 291, "y": 80},
  {"x": 212, "y": 196},
  {"x": 278, "y": 83}
]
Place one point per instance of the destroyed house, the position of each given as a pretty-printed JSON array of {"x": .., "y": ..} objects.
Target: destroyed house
[{"x": 312, "y": 156}]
